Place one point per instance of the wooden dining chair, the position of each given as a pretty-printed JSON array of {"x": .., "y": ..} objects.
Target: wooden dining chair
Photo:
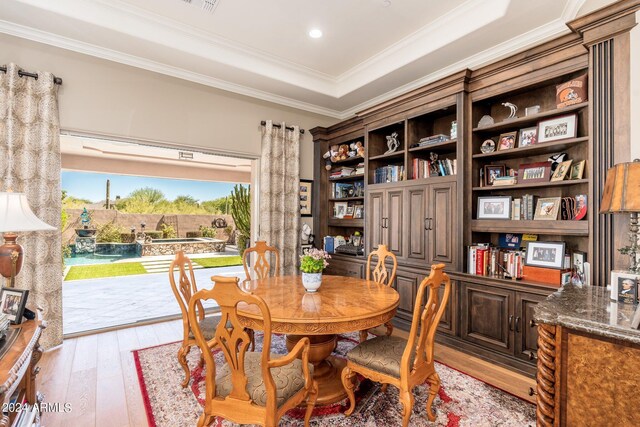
[
  {"x": 250, "y": 387},
  {"x": 261, "y": 268},
  {"x": 404, "y": 363},
  {"x": 183, "y": 291},
  {"x": 381, "y": 275}
]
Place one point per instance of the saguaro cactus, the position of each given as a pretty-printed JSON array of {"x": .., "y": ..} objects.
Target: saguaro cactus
[{"x": 241, "y": 213}]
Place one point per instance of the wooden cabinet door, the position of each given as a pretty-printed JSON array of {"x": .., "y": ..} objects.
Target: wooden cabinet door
[
  {"x": 394, "y": 220},
  {"x": 416, "y": 224},
  {"x": 443, "y": 216},
  {"x": 374, "y": 233},
  {"x": 526, "y": 330},
  {"x": 406, "y": 284},
  {"x": 487, "y": 316},
  {"x": 339, "y": 267},
  {"x": 448, "y": 322}
]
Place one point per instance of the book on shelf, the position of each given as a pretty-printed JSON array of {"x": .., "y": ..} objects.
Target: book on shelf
[
  {"x": 486, "y": 260},
  {"x": 342, "y": 190},
  {"x": 360, "y": 168},
  {"x": 429, "y": 140},
  {"x": 504, "y": 181},
  {"x": 389, "y": 173},
  {"x": 427, "y": 168},
  {"x": 342, "y": 172}
]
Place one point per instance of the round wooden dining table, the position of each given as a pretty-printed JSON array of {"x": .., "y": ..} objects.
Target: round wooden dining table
[{"x": 341, "y": 305}]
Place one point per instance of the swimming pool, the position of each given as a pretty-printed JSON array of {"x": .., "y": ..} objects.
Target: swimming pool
[{"x": 87, "y": 259}]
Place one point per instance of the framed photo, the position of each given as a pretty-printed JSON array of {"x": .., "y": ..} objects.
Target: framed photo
[
  {"x": 545, "y": 254},
  {"x": 348, "y": 213},
  {"x": 561, "y": 171},
  {"x": 306, "y": 197},
  {"x": 577, "y": 170},
  {"x": 340, "y": 209},
  {"x": 507, "y": 141},
  {"x": 580, "y": 209},
  {"x": 530, "y": 111},
  {"x": 624, "y": 286},
  {"x": 12, "y": 302},
  {"x": 528, "y": 136},
  {"x": 547, "y": 209},
  {"x": 494, "y": 207},
  {"x": 534, "y": 172},
  {"x": 488, "y": 146},
  {"x": 563, "y": 127},
  {"x": 491, "y": 172},
  {"x": 578, "y": 259},
  {"x": 358, "y": 212}
]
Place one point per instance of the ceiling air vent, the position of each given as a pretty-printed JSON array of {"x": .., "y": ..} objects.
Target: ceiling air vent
[
  {"x": 208, "y": 5},
  {"x": 184, "y": 155}
]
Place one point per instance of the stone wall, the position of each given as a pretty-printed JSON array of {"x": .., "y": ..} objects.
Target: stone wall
[
  {"x": 183, "y": 223},
  {"x": 202, "y": 247}
]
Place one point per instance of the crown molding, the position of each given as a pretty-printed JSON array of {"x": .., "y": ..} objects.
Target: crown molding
[{"x": 157, "y": 67}]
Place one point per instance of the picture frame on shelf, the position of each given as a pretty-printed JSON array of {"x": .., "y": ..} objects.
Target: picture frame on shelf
[
  {"x": 547, "y": 209},
  {"x": 507, "y": 141},
  {"x": 534, "y": 172},
  {"x": 491, "y": 172},
  {"x": 545, "y": 255},
  {"x": 348, "y": 214},
  {"x": 625, "y": 286},
  {"x": 358, "y": 212},
  {"x": 578, "y": 260},
  {"x": 581, "y": 206},
  {"x": 306, "y": 197},
  {"x": 340, "y": 209},
  {"x": 577, "y": 170},
  {"x": 496, "y": 207},
  {"x": 558, "y": 128},
  {"x": 12, "y": 303},
  {"x": 528, "y": 136},
  {"x": 561, "y": 171},
  {"x": 530, "y": 111},
  {"x": 488, "y": 146}
]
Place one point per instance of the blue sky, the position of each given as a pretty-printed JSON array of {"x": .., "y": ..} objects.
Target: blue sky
[{"x": 92, "y": 186}]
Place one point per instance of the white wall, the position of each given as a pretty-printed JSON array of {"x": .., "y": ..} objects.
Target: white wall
[{"x": 104, "y": 97}]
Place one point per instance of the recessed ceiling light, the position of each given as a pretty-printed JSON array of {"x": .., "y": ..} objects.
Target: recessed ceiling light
[{"x": 315, "y": 33}]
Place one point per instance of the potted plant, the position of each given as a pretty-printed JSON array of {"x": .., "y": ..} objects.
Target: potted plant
[{"x": 312, "y": 262}]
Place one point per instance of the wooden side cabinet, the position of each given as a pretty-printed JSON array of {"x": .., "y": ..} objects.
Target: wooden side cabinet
[
  {"x": 18, "y": 367},
  {"x": 345, "y": 267}
]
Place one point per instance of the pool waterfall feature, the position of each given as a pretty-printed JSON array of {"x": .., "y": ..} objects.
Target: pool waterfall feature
[{"x": 200, "y": 245}]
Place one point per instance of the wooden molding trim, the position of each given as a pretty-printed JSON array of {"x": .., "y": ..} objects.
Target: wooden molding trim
[
  {"x": 606, "y": 22},
  {"x": 546, "y": 376}
]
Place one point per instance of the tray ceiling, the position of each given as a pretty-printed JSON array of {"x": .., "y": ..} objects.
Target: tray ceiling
[{"x": 371, "y": 49}]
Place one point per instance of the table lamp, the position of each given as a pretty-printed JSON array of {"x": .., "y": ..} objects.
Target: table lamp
[
  {"x": 622, "y": 195},
  {"x": 15, "y": 216}
]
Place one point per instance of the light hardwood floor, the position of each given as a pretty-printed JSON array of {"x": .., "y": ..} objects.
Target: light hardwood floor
[{"x": 97, "y": 375}]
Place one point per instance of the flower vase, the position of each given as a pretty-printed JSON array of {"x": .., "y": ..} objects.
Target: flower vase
[{"x": 311, "y": 281}]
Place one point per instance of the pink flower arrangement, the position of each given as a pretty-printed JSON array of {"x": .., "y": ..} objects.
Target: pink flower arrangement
[{"x": 314, "y": 261}]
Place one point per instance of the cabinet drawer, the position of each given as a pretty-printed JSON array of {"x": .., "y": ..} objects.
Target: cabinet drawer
[{"x": 344, "y": 268}]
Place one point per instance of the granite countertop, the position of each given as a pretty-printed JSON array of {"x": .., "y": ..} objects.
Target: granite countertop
[{"x": 589, "y": 309}]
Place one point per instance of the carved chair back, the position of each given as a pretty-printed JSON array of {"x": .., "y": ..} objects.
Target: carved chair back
[
  {"x": 380, "y": 272},
  {"x": 184, "y": 288},
  {"x": 232, "y": 339},
  {"x": 261, "y": 267},
  {"x": 425, "y": 320}
]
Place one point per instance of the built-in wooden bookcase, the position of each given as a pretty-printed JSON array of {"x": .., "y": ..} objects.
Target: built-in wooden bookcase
[
  {"x": 377, "y": 147},
  {"x": 575, "y": 233}
]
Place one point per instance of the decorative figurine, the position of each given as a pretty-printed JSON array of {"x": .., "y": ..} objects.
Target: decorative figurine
[
  {"x": 392, "y": 143},
  {"x": 513, "y": 109},
  {"x": 485, "y": 120},
  {"x": 85, "y": 218},
  {"x": 488, "y": 146}
]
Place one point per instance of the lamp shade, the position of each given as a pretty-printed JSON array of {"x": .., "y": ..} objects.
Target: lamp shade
[
  {"x": 16, "y": 214},
  {"x": 622, "y": 189}
]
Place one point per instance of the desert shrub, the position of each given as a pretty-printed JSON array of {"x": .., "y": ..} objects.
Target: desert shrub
[
  {"x": 127, "y": 237},
  {"x": 208, "y": 231},
  {"x": 154, "y": 234},
  {"x": 168, "y": 231},
  {"x": 109, "y": 232}
]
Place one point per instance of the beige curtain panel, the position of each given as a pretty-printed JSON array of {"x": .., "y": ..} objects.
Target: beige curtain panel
[
  {"x": 30, "y": 163},
  {"x": 279, "y": 197}
]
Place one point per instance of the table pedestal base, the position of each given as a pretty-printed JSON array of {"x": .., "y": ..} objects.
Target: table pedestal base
[{"x": 326, "y": 369}]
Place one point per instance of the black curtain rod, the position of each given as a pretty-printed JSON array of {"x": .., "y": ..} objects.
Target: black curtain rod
[
  {"x": 275, "y": 125},
  {"x": 56, "y": 80}
]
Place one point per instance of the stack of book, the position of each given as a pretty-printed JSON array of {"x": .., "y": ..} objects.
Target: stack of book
[
  {"x": 360, "y": 168},
  {"x": 430, "y": 140},
  {"x": 486, "y": 260},
  {"x": 388, "y": 174},
  {"x": 427, "y": 168},
  {"x": 341, "y": 172}
]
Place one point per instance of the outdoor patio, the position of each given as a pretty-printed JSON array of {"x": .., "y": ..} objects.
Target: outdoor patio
[{"x": 102, "y": 303}]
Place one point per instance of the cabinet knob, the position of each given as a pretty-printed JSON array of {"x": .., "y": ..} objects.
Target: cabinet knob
[
  {"x": 533, "y": 355},
  {"x": 511, "y": 322},
  {"x": 518, "y": 324},
  {"x": 532, "y": 323},
  {"x": 532, "y": 392},
  {"x": 426, "y": 224}
]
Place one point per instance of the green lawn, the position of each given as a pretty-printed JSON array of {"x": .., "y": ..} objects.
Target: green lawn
[
  {"x": 96, "y": 271},
  {"x": 222, "y": 261}
]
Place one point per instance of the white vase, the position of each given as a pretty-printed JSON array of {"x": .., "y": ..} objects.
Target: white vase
[{"x": 311, "y": 281}]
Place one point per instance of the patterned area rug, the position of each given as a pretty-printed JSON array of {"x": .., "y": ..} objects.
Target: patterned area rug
[{"x": 462, "y": 401}]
